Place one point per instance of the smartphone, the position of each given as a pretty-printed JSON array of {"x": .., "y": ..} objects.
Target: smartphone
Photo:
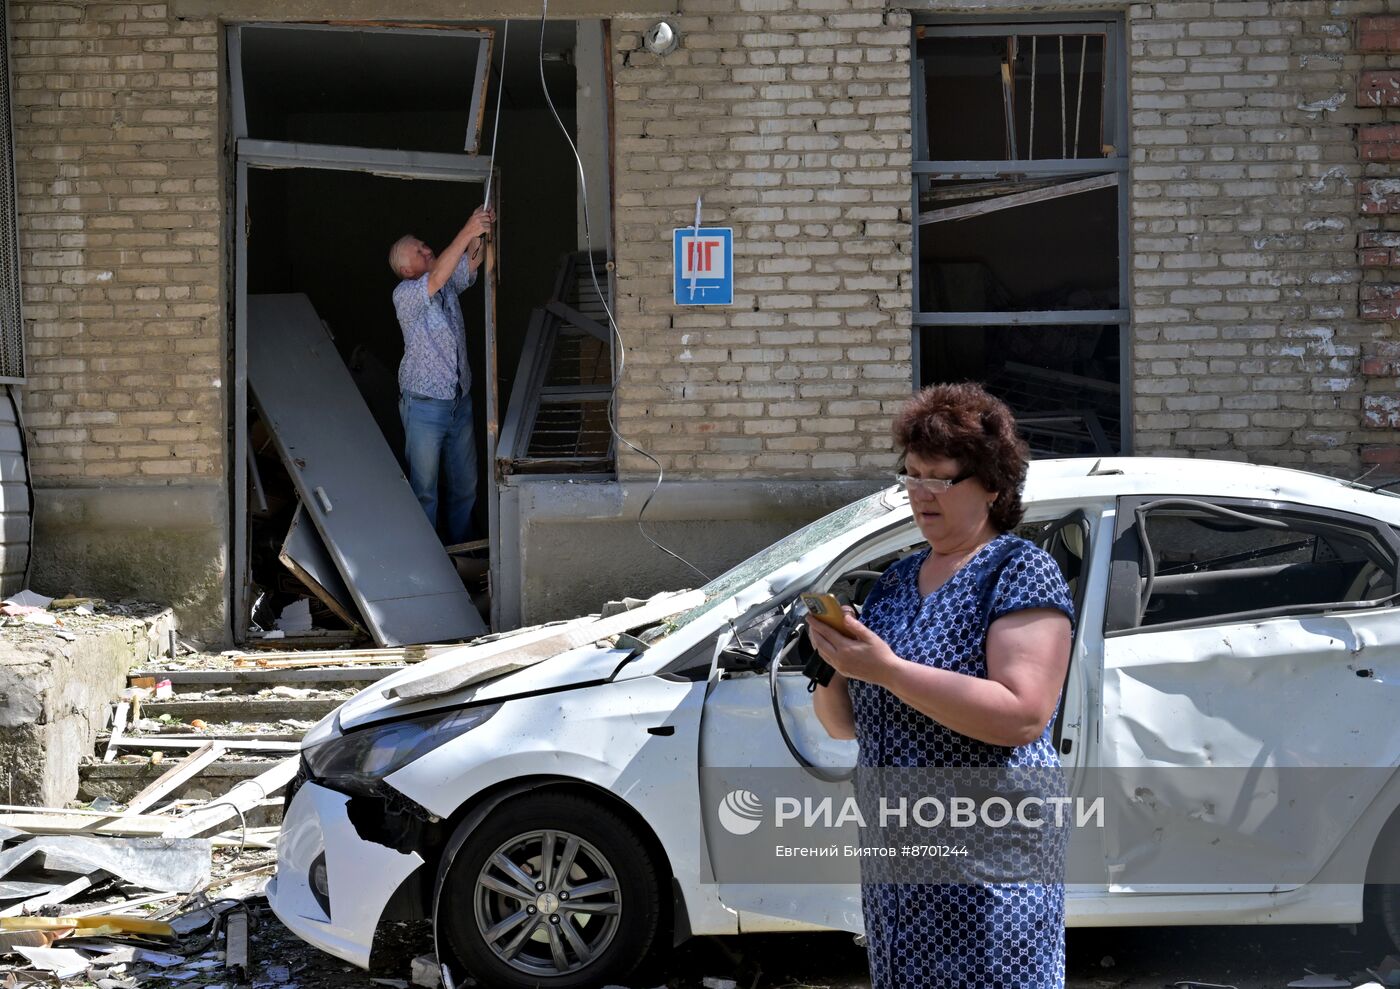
[{"x": 826, "y": 609}]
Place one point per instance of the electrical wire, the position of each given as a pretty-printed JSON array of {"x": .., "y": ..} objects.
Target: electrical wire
[
  {"x": 496, "y": 124},
  {"x": 620, "y": 348}
]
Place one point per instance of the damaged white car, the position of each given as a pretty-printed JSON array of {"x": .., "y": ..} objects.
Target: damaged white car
[{"x": 538, "y": 794}]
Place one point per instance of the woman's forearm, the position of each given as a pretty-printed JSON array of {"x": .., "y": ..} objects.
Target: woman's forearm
[
  {"x": 982, "y": 709},
  {"x": 832, "y": 705}
]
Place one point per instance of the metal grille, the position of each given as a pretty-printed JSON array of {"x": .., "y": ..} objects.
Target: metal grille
[
  {"x": 579, "y": 359},
  {"x": 571, "y": 429},
  {"x": 11, "y": 321}
]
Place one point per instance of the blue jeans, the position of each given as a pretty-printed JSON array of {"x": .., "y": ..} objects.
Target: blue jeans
[{"x": 438, "y": 435}]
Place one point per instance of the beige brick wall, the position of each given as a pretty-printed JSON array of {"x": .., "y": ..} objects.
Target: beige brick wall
[
  {"x": 792, "y": 119},
  {"x": 120, "y": 200},
  {"x": 1247, "y": 339}
]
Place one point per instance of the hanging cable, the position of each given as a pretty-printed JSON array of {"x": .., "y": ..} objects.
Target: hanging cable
[{"x": 619, "y": 349}]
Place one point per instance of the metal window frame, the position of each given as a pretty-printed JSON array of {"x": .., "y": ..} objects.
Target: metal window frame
[
  {"x": 530, "y": 392},
  {"x": 476, "y": 108},
  {"x": 1115, "y": 133},
  {"x": 1125, "y": 573},
  {"x": 12, "y": 219}
]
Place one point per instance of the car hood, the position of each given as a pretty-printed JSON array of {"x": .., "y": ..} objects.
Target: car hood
[{"x": 577, "y": 667}]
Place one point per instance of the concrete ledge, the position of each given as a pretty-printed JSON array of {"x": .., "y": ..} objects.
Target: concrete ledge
[
  {"x": 579, "y": 544},
  {"x": 154, "y": 543},
  {"x": 449, "y": 11},
  {"x": 55, "y": 696}
]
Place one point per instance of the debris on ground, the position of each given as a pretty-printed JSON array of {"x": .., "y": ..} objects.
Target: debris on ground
[{"x": 159, "y": 873}]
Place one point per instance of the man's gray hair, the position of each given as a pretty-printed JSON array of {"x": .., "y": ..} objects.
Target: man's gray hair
[{"x": 396, "y": 252}]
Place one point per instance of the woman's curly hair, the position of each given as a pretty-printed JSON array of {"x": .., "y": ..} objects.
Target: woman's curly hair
[{"x": 964, "y": 423}]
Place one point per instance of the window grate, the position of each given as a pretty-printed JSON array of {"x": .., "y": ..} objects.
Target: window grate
[{"x": 571, "y": 429}]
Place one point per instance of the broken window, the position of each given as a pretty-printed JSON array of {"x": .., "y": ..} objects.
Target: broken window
[
  {"x": 406, "y": 89},
  {"x": 1203, "y": 562},
  {"x": 1020, "y": 240},
  {"x": 389, "y": 120}
]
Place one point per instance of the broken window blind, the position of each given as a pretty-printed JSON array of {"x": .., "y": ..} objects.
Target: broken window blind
[
  {"x": 11, "y": 320},
  {"x": 558, "y": 416}
]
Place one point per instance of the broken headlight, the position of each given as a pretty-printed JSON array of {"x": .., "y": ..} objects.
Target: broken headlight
[{"x": 356, "y": 762}]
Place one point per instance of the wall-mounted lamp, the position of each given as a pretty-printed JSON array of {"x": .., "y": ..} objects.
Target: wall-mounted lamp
[{"x": 660, "y": 39}]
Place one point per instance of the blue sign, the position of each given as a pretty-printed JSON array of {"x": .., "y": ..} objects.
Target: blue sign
[{"x": 704, "y": 266}]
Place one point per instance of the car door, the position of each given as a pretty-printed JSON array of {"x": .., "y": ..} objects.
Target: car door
[
  {"x": 741, "y": 739},
  {"x": 1241, "y": 721},
  {"x": 743, "y": 751}
]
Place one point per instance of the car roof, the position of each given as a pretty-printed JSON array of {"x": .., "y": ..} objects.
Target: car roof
[{"x": 1110, "y": 477}]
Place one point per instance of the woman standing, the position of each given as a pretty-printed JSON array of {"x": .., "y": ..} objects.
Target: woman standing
[{"x": 957, "y": 661}]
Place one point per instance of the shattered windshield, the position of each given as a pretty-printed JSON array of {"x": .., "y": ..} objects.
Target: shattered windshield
[{"x": 783, "y": 552}]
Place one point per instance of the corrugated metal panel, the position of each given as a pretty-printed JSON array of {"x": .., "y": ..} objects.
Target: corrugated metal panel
[
  {"x": 11, "y": 322},
  {"x": 15, "y": 501}
]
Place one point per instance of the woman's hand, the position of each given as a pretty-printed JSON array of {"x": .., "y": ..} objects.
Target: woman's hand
[{"x": 860, "y": 655}]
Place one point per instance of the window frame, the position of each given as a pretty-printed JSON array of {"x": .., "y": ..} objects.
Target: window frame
[
  {"x": 1125, "y": 576},
  {"x": 1115, "y": 123},
  {"x": 11, "y": 282}
]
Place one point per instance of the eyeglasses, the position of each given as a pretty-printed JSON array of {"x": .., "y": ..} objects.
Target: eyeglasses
[{"x": 931, "y": 485}]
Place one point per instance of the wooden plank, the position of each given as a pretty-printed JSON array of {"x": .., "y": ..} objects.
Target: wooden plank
[
  {"x": 305, "y": 555},
  {"x": 118, "y": 726},
  {"x": 263, "y": 676},
  {"x": 982, "y": 190},
  {"x": 509, "y": 653},
  {"x": 173, "y": 778},
  {"x": 244, "y": 796},
  {"x": 328, "y": 657},
  {"x": 195, "y": 742},
  {"x": 950, "y": 213}
]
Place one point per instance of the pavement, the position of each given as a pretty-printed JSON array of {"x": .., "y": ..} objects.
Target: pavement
[{"x": 1105, "y": 958}]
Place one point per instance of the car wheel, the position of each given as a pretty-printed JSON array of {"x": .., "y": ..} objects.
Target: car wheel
[
  {"x": 1384, "y": 915},
  {"x": 550, "y": 890}
]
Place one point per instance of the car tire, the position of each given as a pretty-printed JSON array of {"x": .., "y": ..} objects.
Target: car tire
[
  {"x": 1383, "y": 917},
  {"x": 589, "y": 926}
]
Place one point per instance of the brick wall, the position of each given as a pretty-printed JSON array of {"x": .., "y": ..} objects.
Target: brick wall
[
  {"x": 792, "y": 119},
  {"x": 120, "y": 205},
  {"x": 1248, "y": 323}
]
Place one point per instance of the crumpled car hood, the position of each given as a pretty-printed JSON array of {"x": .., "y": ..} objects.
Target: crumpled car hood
[{"x": 572, "y": 668}]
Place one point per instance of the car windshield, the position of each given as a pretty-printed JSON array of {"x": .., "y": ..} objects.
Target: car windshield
[{"x": 783, "y": 552}]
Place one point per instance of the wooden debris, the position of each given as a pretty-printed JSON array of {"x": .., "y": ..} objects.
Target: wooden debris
[
  {"x": 244, "y": 797},
  {"x": 128, "y": 925},
  {"x": 236, "y": 958},
  {"x": 969, "y": 210},
  {"x": 337, "y": 657},
  {"x": 118, "y": 726}
]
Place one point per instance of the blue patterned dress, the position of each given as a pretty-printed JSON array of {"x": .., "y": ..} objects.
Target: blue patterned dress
[{"x": 957, "y": 936}]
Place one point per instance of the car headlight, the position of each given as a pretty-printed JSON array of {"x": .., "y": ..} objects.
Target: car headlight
[{"x": 356, "y": 762}]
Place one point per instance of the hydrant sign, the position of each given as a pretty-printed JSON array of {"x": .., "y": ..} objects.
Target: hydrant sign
[{"x": 704, "y": 266}]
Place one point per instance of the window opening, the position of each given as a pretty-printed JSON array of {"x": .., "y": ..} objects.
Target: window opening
[
  {"x": 405, "y": 89},
  {"x": 1021, "y": 278},
  {"x": 1200, "y": 562}
]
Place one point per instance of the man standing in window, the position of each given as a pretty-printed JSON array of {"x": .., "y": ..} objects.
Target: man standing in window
[{"x": 435, "y": 401}]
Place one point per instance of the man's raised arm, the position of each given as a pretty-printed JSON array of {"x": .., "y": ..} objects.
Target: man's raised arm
[{"x": 446, "y": 263}]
